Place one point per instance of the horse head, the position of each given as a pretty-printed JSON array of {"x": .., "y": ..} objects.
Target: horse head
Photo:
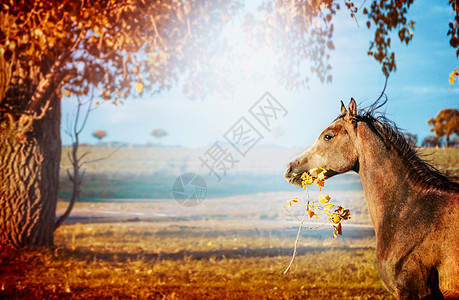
[{"x": 334, "y": 149}]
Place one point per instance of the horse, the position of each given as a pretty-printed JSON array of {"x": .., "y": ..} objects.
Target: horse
[{"x": 413, "y": 207}]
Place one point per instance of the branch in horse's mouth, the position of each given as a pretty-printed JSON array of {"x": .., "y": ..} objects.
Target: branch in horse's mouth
[{"x": 296, "y": 180}]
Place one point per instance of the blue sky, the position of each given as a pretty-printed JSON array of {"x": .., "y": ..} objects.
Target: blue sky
[{"x": 416, "y": 91}]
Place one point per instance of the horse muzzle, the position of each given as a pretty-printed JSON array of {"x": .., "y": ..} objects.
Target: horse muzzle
[{"x": 292, "y": 175}]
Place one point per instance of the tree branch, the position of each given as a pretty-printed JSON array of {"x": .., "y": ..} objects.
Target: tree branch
[
  {"x": 105, "y": 157},
  {"x": 76, "y": 177},
  {"x": 46, "y": 85}
]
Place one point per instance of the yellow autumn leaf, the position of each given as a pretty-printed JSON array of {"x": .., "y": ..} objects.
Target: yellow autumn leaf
[
  {"x": 318, "y": 182},
  {"x": 306, "y": 179},
  {"x": 310, "y": 211},
  {"x": 295, "y": 200},
  {"x": 328, "y": 206},
  {"x": 339, "y": 210},
  {"x": 324, "y": 199},
  {"x": 139, "y": 87},
  {"x": 346, "y": 215},
  {"x": 317, "y": 171},
  {"x": 336, "y": 218},
  {"x": 321, "y": 176},
  {"x": 452, "y": 76},
  {"x": 339, "y": 229},
  {"x": 305, "y": 176}
]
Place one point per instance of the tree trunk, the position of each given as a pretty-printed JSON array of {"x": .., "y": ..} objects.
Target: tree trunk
[{"x": 29, "y": 178}]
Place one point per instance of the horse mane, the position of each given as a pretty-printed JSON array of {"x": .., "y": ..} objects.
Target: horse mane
[{"x": 428, "y": 176}]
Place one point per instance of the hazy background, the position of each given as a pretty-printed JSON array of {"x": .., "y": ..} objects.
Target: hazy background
[{"x": 416, "y": 91}]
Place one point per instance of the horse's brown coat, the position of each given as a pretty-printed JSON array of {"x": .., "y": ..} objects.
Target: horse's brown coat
[{"x": 414, "y": 209}]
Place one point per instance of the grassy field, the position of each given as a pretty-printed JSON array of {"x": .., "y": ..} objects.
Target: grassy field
[
  {"x": 444, "y": 159},
  {"x": 192, "y": 259},
  {"x": 232, "y": 247}
]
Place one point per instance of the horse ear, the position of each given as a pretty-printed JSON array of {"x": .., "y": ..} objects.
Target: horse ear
[
  {"x": 343, "y": 108},
  {"x": 352, "y": 108}
]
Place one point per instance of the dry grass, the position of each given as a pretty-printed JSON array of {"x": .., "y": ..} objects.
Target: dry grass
[
  {"x": 191, "y": 260},
  {"x": 444, "y": 159}
]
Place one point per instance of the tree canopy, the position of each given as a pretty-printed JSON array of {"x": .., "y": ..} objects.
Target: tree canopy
[
  {"x": 159, "y": 133},
  {"x": 445, "y": 124},
  {"x": 99, "y": 134},
  {"x": 124, "y": 47},
  {"x": 118, "y": 47}
]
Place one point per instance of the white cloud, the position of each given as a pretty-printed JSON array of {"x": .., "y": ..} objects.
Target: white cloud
[{"x": 431, "y": 90}]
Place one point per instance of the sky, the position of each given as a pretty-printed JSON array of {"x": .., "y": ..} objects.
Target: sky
[{"x": 417, "y": 91}]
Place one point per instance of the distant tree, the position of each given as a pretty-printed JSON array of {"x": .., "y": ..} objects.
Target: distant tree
[
  {"x": 412, "y": 139},
  {"x": 99, "y": 134},
  {"x": 432, "y": 141},
  {"x": 455, "y": 142},
  {"x": 445, "y": 124},
  {"x": 158, "y": 133}
]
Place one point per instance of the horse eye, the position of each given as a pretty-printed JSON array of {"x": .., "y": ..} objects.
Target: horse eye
[{"x": 328, "y": 137}]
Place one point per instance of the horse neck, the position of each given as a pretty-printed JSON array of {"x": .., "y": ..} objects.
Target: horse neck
[{"x": 385, "y": 176}]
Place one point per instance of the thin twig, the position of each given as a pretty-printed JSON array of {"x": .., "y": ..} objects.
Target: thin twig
[
  {"x": 90, "y": 101},
  {"x": 107, "y": 156},
  {"x": 292, "y": 214},
  {"x": 298, "y": 235},
  {"x": 297, "y": 240},
  {"x": 311, "y": 228}
]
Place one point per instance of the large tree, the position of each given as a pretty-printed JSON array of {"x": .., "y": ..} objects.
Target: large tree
[
  {"x": 51, "y": 48},
  {"x": 122, "y": 48}
]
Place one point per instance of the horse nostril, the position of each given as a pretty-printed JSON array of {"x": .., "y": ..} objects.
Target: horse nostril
[{"x": 291, "y": 167}]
